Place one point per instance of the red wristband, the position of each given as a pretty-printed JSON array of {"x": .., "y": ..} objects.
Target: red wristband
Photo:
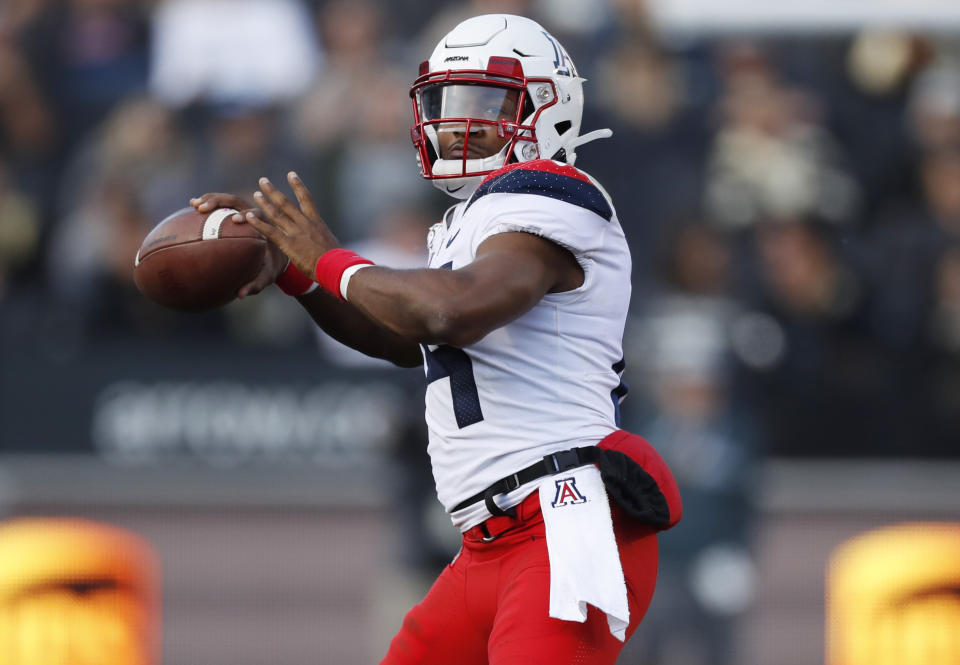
[
  {"x": 330, "y": 267},
  {"x": 293, "y": 282}
]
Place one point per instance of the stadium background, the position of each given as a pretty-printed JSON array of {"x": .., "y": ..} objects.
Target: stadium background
[{"x": 789, "y": 180}]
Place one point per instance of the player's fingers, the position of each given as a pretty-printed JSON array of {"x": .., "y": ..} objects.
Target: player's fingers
[
  {"x": 254, "y": 287},
  {"x": 213, "y": 200},
  {"x": 304, "y": 198},
  {"x": 202, "y": 202},
  {"x": 265, "y": 227},
  {"x": 209, "y": 203},
  {"x": 241, "y": 217},
  {"x": 273, "y": 214},
  {"x": 278, "y": 199},
  {"x": 249, "y": 289},
  {"x": 274, "y": 261}
]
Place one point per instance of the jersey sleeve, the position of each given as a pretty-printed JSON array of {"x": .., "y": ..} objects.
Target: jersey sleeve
[{"x": 554, "y": 201}]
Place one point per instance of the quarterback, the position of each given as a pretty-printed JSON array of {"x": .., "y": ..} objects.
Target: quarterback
[{"x": 517, "y": 321}]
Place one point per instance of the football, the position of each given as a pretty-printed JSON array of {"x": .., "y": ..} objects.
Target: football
[{"x": 193, "y": 261}]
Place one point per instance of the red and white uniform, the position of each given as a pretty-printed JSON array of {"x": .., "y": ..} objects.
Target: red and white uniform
[
  {"x": 546, "y": 382},
  {"x": 569, "y": 577},
  {"x": 549, "y": 380}
]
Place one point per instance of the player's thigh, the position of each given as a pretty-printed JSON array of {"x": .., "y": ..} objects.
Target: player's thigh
[
  {"x": 438, "y": 630},
  {"x": 639, "y": 556},
  {"x": 525, "y": 634}
]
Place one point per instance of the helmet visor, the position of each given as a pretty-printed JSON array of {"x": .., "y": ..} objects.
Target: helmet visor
[{"x": 478, "y": 102}]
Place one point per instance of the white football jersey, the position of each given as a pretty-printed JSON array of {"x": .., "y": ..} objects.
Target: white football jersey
[{"x": 549, "y": 380}]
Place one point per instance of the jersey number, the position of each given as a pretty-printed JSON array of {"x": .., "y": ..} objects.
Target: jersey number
[{"x": 449, "y": 361}]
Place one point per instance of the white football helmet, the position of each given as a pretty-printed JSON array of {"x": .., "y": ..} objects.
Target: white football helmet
[{"x": 504, "y": 82}]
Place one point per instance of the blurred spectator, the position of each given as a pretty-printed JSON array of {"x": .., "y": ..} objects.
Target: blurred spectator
[
  {"x": 941, "y": 376},
  {"x": 910, "y": 273},
  {"x": 653, "y": 167},
  {"x": 946, "y": 305},
  {"x": 902, "y": 249},
  {"x": 682, "y": 344},
  {"x": 862, "y": 83},
  {"x": 15, "y": 14},
  {"x": 239, "y": 144},
  {"x": 573, "y": 18},
  {"x": 355, "y": 58},
  {"x": 29, "y": 136},
  {"x": 356, "y": 122},
  {"x": 245, "y": 51},
  {"x": 91, "y": 272},
  {"x": 706, "y": 571},
  {"x": 771, "y": 157},
  {"x": 92, "y": 256},
  {"x": 940, "y": 173},
  {"x": 123, "y": 180},
  {"x": 881, "y": 62},
  {"x": 633, "y": 16},
  {"x": 27, "y": 127},
  {"x": 934, "y": 111},
  {"x": 88, "y": 55},
  {"x": 830, "y": 393},
  {"x": 19, "y": 230},
  {"x": 143, "y": 141}
]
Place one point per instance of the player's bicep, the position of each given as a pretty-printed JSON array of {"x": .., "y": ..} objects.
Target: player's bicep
[
  {"x": 510, "y": 274},
  {"x": 539, "y": 263}
]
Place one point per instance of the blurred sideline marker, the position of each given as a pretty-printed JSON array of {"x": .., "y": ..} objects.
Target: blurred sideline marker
[
  {"x": 893, "y": 597},
  {"x": 75, "y": 592}
]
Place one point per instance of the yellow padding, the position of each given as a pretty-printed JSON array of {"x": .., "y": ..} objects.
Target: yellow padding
[
  {"x": 75, "y": 592},
  {"x": 893, "y": 597}
]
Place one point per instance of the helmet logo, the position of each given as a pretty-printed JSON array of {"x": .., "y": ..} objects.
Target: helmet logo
[
  {"x": 563, "y": 65},
  {"x": 456, "y": 58}
]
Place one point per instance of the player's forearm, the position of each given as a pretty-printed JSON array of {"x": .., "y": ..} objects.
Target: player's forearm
[
  {"x": 346, "y": 324},
  {"x": 429, "y": 306}
]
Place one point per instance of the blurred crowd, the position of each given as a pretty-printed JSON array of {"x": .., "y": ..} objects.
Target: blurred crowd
[{"x": 793, "y": 204}]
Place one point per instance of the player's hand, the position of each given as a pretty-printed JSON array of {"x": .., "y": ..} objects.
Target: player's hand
[
  {"x": 274, "y": 260},
  {"x": 299, "y": 232},
  {"x": 274, "y": 263},
  {"x": 209, "y": 202}
]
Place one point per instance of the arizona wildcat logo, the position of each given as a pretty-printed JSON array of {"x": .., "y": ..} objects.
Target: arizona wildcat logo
[{"x": 567, "y": 493}]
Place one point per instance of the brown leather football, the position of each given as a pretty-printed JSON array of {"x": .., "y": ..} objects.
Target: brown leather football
[{"x": 192, "y": 261}]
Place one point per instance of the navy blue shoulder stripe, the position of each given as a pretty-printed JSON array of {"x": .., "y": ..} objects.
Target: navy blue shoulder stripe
[{"x": 544, "y": 183}]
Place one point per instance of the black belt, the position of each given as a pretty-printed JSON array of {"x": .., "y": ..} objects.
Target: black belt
[{"x": 548, "y": 466}]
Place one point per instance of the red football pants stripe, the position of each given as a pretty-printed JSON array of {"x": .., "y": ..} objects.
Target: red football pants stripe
[{"x": 490, "y": 606}]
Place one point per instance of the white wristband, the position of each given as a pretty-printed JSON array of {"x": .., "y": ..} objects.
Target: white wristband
[{"x": 347, "y": 274}]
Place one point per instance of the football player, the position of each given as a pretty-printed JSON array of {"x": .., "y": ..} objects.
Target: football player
[{"x": 517, "y": 321}]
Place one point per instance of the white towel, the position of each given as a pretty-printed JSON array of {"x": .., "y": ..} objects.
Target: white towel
[{"x": 584, "y": 561}]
